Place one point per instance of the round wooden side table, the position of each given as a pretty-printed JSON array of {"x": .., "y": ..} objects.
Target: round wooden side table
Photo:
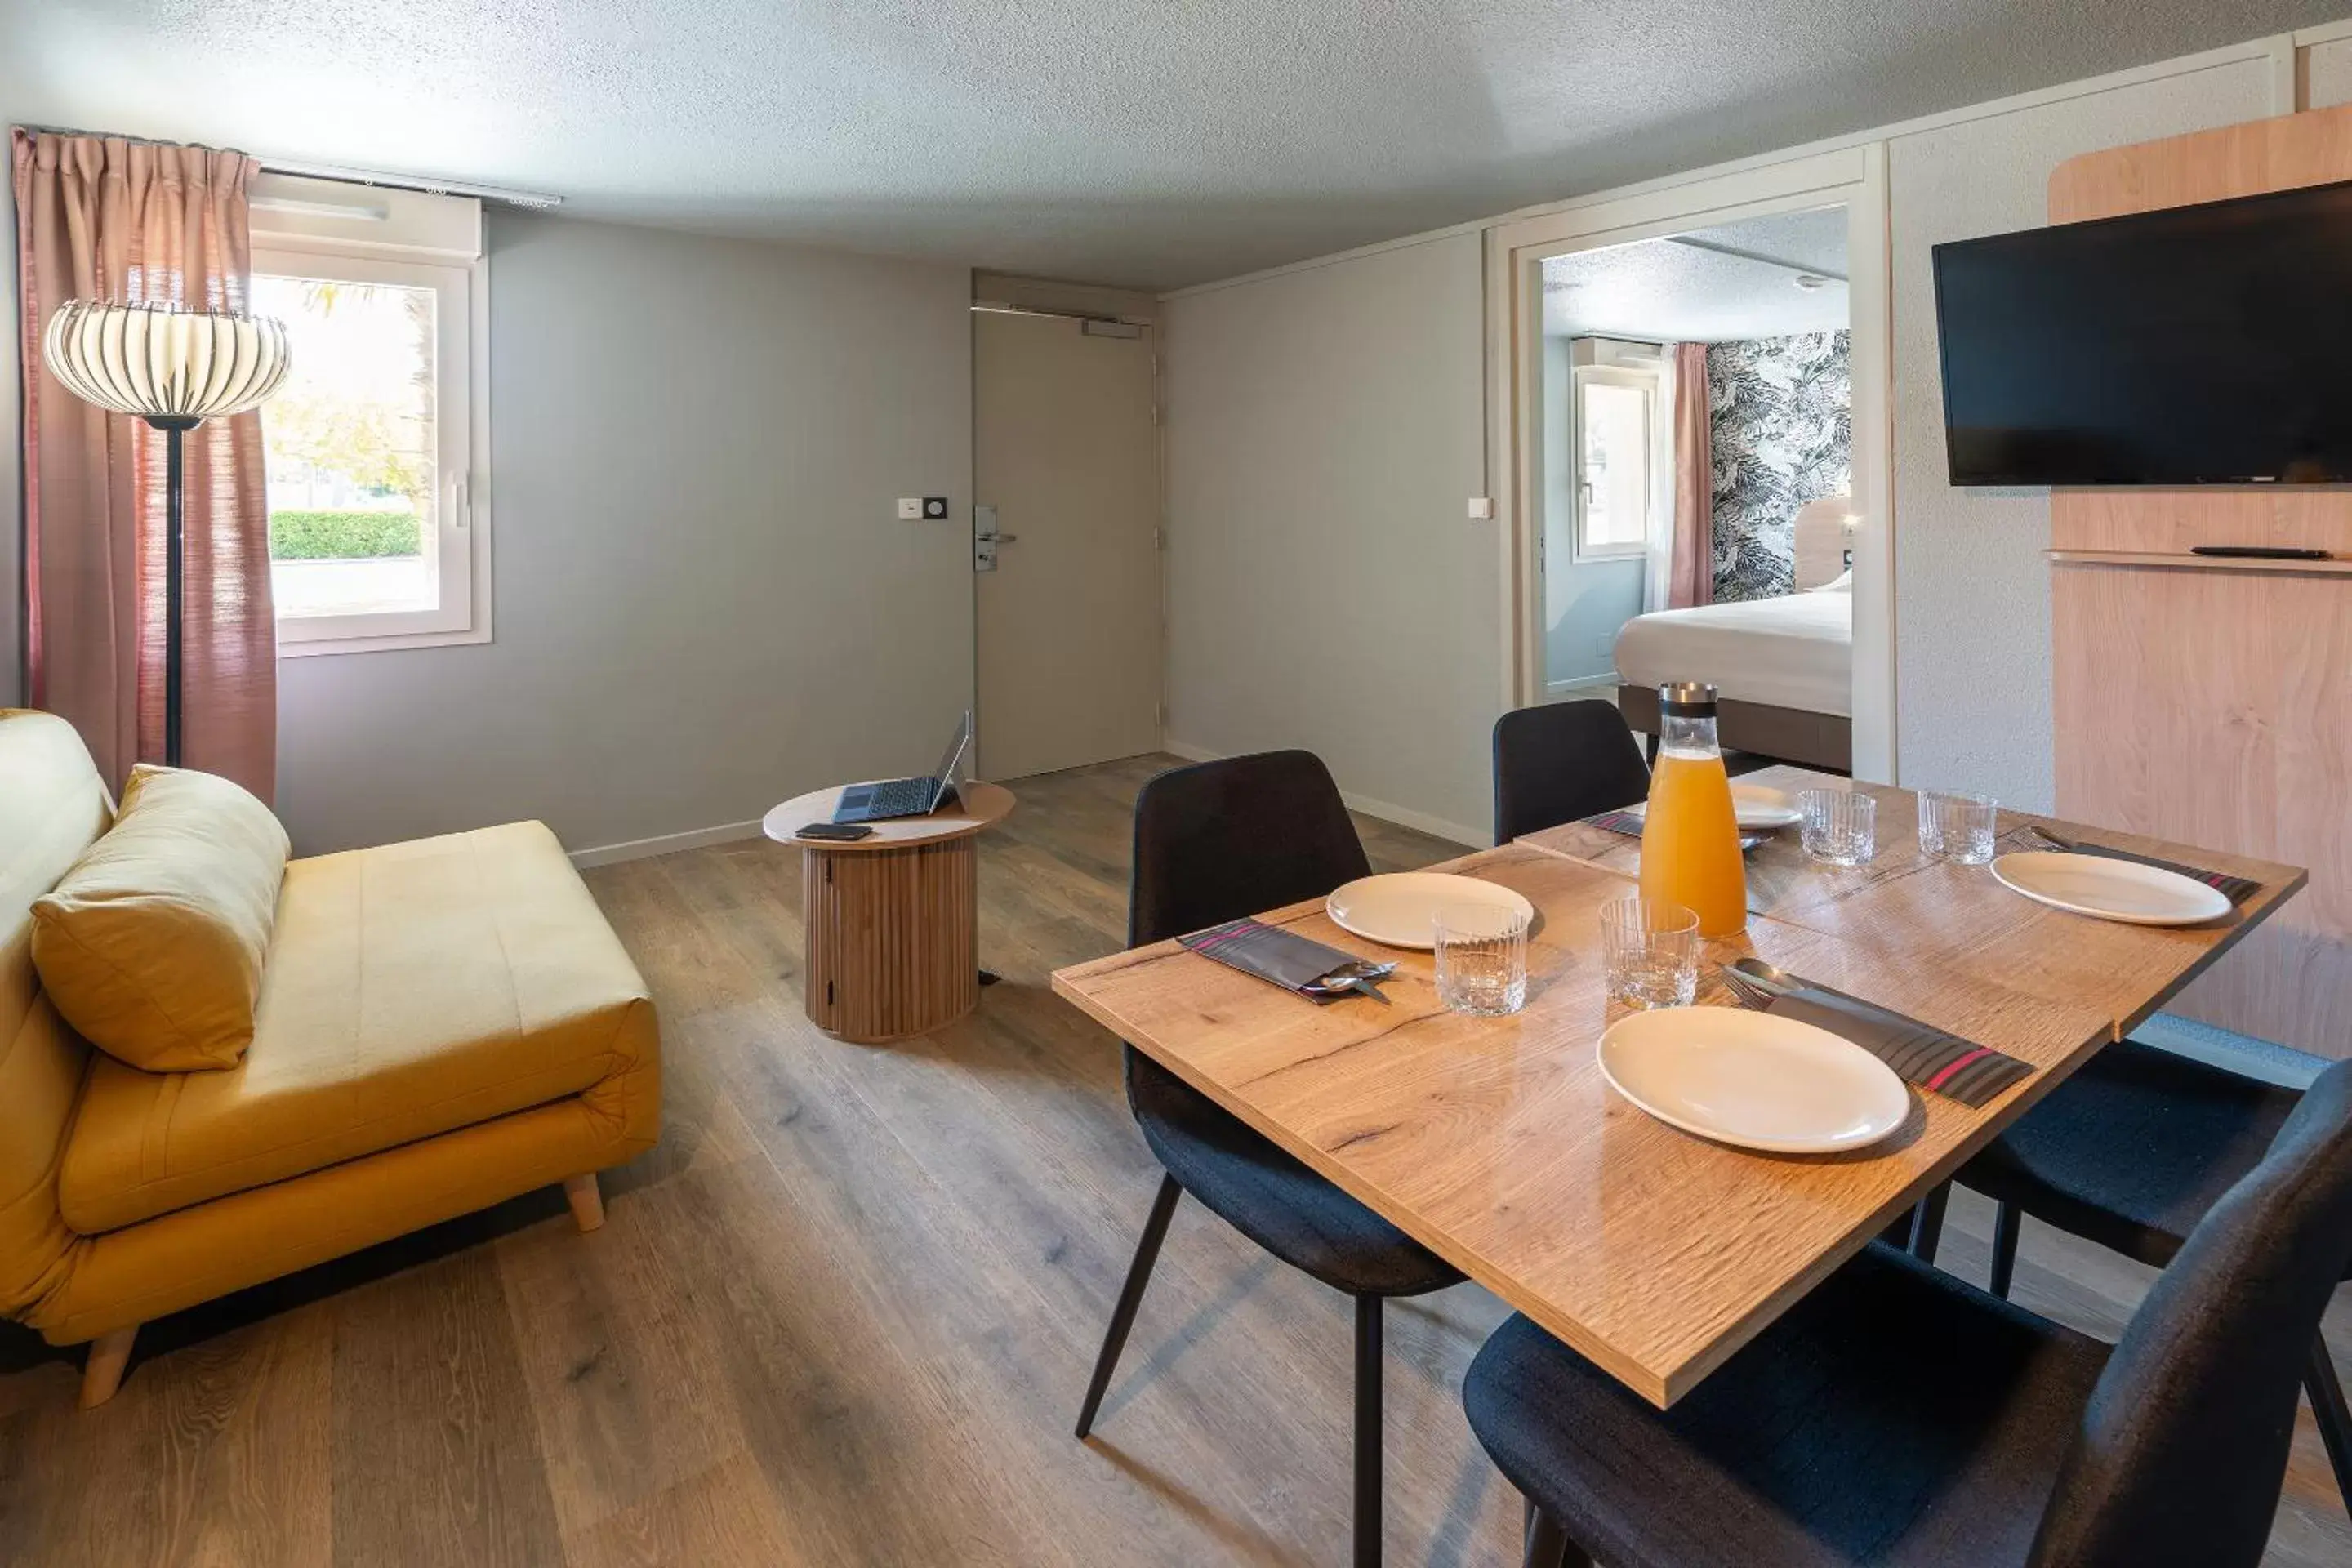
[{"x": 891, "y": 922}]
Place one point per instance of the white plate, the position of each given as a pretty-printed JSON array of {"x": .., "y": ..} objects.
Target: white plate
[
  {"x": 1761, "y": 805},
  {"x": 1758, "y": 807},
  {"x": 2109, "y": 889},
  {"x": 1401, "y": 909},
  {"x": 1753, "y": 1079}
]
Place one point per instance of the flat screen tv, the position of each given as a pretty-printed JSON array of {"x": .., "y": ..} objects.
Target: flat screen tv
[{"x": 2207, "y": 344}]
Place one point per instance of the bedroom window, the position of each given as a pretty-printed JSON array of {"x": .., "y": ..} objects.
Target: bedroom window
[
  {"x": 375, "y": 537},
  {"x": 1616, "y": 422}
]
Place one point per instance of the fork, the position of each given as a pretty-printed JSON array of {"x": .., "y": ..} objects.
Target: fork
[
  {"x": 1750, "y": 993},
  {"x": 2051, "y": 839}
]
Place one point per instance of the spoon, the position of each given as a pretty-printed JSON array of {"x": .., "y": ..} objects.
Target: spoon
[{"x": 1769, "y": 977}]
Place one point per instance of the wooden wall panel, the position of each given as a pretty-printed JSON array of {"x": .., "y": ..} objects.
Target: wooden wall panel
[{"x": 2206, "y": 703}]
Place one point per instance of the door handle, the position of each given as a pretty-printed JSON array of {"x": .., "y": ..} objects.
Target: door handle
[{"x": 1005, "y": 538}]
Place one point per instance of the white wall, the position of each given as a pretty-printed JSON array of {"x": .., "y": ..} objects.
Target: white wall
[
  {"x": 1972, "y": 588},
  {"x": 1972, "y": 599},
  {"x": 1324, "y": 429},
  {"x": 705, "y": 603},
  {"x": 12, "y": 531},
  {"x": 2328, "y": 70}
]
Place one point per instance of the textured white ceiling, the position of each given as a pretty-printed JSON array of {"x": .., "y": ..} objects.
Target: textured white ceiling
[
  {"x": 1715, "y": 285},
  {"x": 1134, "y": 142}
]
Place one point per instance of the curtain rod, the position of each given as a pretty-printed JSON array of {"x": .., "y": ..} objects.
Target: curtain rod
[{"x": 535, "y": 200}]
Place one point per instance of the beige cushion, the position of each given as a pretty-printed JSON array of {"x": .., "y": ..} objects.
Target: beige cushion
[{"x": 153, "y": 944}]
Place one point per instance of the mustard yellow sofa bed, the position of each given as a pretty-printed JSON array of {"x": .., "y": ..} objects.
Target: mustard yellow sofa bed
[{"x": 441, "y": 1025}]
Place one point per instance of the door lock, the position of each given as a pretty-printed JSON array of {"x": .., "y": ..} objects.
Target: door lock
[{"x": 985, "y": 539}]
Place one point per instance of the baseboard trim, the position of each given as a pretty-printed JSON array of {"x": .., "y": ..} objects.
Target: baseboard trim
[
  {"x": 1419, "y": 821},
  {"x": 667, "y": 843},
  {"x": 1581, "y": 683}
]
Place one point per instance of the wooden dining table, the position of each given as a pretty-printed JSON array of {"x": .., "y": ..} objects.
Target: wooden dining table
[{"x": 1498, "y": 1144}]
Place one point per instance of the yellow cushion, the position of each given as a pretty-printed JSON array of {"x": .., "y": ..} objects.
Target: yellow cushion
[
  {"x": 413, "y": 989},
  {"x": 153, "y": 944}
]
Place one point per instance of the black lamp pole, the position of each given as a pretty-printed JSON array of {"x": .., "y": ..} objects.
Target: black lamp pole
[{"x": 176, "y": 429}]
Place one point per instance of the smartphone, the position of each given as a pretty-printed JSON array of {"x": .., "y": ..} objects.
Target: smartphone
[{"x": 837, "y": 832}]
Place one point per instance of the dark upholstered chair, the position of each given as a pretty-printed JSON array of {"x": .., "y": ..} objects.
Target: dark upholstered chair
[
  {"x": 1214, "y": 842},
  {"x": 1898, "y": 1415},
  {"x": 2130, "y": 1153},
  {"x": 1561, "y": 762}
]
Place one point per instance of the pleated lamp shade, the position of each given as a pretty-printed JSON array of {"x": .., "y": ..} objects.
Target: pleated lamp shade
[{"x": 161, "y": 361}]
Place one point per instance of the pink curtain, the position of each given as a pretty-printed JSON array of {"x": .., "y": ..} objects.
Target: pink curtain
[
  {"x": 107, "y": 218},
  {"x": 1690, "y": 569}
]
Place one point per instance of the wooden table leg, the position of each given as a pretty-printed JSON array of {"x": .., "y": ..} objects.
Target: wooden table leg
[{"x": 893, "y": 946}]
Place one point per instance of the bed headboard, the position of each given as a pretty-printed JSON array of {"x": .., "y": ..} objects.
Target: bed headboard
[{"x": 1824, "y": 541}]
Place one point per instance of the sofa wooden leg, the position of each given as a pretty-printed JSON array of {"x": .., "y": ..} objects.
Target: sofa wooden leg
[
  {"x": 587, "y": 1202},
  {"x": 102, "y": 1373}
]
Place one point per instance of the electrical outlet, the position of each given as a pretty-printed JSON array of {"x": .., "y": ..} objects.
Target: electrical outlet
[
  {"x": 910, "y": 507},
  {"x": 1604, "y": 646}
]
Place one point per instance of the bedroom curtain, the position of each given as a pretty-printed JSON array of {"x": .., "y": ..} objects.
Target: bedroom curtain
[
  {"x": 112, "y": 219},
  {"x": 1690, "y": 568}
]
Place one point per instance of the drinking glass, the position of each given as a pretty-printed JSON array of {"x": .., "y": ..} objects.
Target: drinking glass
[
  {"x": 1482, "y": 959},
  {"x": 1650, "y": 951},
  {"x": 1958, "y": 827},
  {"x": 1841, "y": 826}
]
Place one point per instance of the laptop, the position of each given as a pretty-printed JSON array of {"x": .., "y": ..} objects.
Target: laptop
[{"x": 908, "y": 797}]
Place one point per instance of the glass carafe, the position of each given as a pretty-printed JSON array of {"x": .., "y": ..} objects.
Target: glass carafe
[{"x": 1690, "y": 841}]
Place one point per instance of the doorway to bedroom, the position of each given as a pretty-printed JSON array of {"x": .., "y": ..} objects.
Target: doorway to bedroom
[
  {"x": 1698, "y": 444},
  {"x": 1697, "y": 397}
]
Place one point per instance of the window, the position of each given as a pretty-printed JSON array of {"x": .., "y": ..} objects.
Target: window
[
  {"x": 1615, "y": 415},
  {"x": 376, "y": 539}
]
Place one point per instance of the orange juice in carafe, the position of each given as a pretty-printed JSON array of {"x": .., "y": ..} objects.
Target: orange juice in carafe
[{"x": 1690, "y": 837}]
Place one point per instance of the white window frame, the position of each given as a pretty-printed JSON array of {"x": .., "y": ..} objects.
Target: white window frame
[
  {"x": 319, "y": 228},
  {"x": 1644, "y": 382}
]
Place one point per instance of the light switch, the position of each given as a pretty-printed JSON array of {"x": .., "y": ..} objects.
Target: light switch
[
  {"x": 910, "y": 509},
  {"x": 1482, "y": 507}
]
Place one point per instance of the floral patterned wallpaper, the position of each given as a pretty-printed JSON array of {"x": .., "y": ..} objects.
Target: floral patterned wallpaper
[{"x": 1781, "y": 416}]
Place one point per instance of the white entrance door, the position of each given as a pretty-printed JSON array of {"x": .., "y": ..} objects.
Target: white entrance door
[{"x": 1066, "y": 459}]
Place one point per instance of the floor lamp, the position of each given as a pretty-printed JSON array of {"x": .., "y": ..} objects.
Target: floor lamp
[{"x": 175, "y": 368}]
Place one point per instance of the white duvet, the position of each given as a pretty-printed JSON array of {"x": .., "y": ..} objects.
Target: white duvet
[{"x": 1796, "y": 652}]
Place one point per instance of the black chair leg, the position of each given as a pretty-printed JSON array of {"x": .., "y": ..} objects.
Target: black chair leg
[
  {"x": 1130, "y": 1296},
  {"x": 1928, "y": 1224},
  {"x": 2327, "y": 1406},
  {"x": 2006, "y": 1220},
  {"x": 1548, "y": 1545},
  {"x": 1368, "y": 1432}
]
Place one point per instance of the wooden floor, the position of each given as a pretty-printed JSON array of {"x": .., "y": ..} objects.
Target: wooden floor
[{"x": 842, "y": 1316}]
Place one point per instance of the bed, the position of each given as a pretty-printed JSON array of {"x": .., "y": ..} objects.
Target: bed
[{"x": 1782, "y": 669}]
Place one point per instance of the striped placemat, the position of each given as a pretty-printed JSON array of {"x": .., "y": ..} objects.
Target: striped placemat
[
  {"x": 1630, "y": 824},
  {"x": 1920, "y": 1055},
  {"x": 2237, "y": 889},
  {"x": 1282, "y": 957}
]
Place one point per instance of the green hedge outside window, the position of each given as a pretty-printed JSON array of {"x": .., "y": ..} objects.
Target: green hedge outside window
[{"x": 343, "y": 535}]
